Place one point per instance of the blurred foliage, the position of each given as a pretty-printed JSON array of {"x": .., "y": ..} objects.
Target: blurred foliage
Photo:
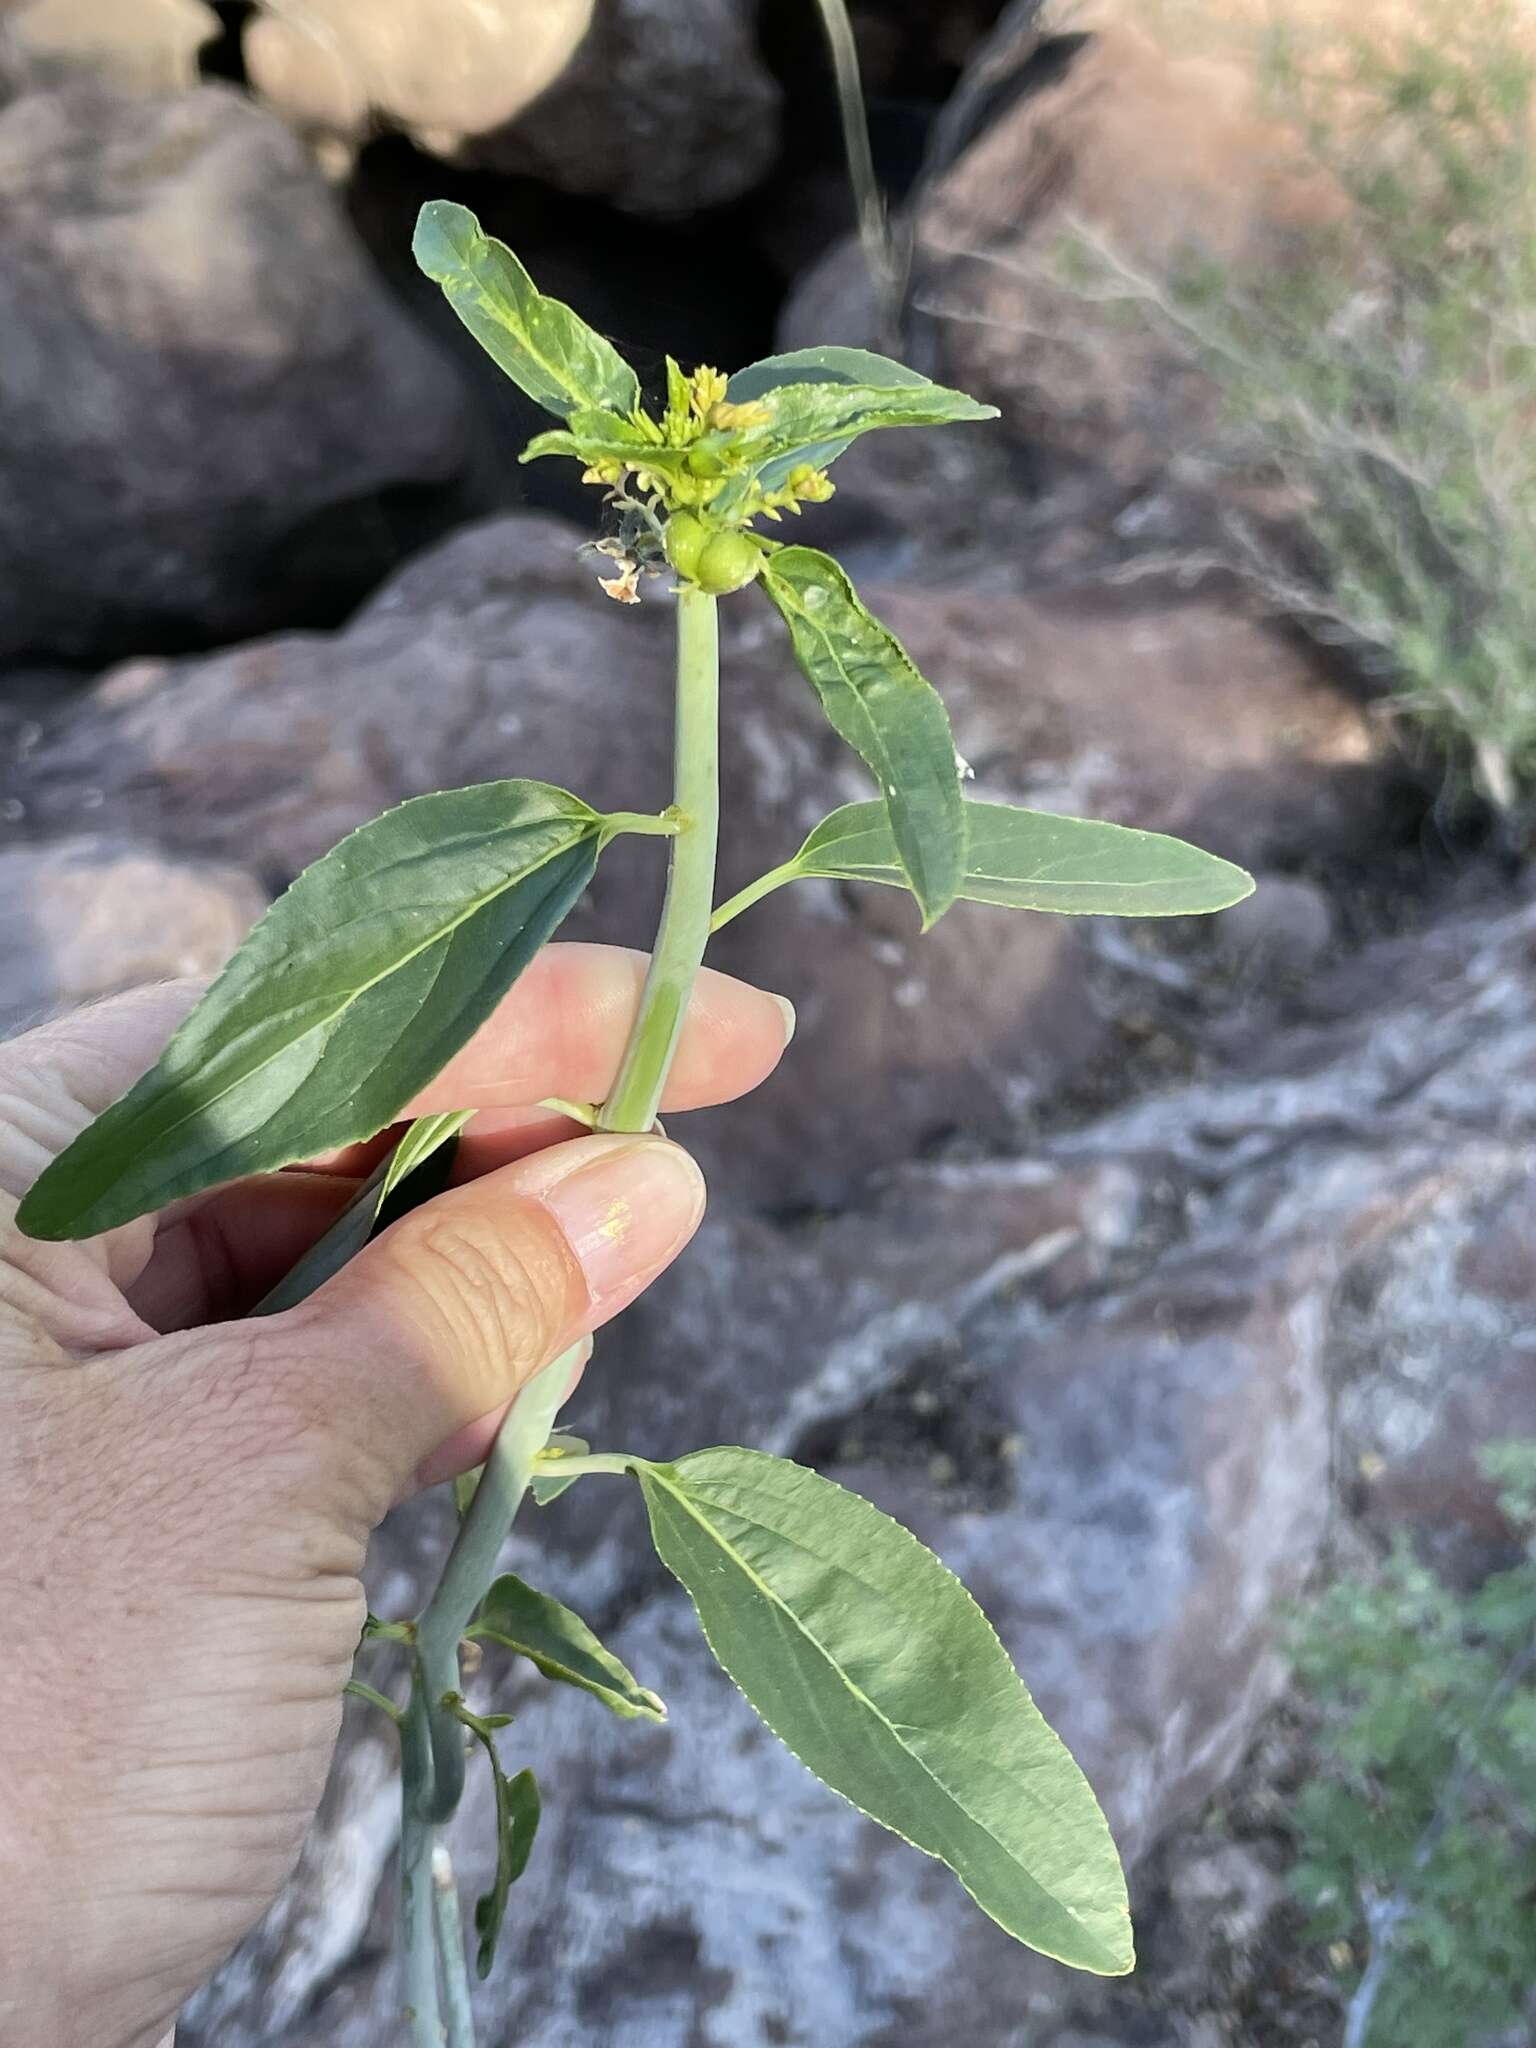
[
  {"x": 1416, "y": 1837},
  {"x": 1381, "y": 365}
]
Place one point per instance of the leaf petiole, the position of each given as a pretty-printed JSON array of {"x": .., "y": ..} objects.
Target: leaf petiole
[
  {"x": 585, "y": 1464},
  {"x": 360, "y": 1691},
  {"x": 754, "y": 893},
  {"x": 642, "y": 824}
]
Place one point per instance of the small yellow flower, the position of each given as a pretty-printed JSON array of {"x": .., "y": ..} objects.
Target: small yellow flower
[
  {"x": 728, "y": 417},
  {"x": 605, "y": 472},
  {"x": 811, "y": 486},
  {"x": 708, "y": 390}
]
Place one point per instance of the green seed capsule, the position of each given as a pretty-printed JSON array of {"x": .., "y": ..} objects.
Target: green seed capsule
[
  {"x": 716, "y": 562},
  {"x": 687, "y": 539},
  {"x": 729, "y": 562}
]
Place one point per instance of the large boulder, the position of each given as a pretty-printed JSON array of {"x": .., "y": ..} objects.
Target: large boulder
[
  {"x": 1106, "y": 1381},
  {"x": 86, "y": 917},
  {"x": 154, "y": 44},
  {"x": 663, "y": 107},
  {"x": 666, "y": 109},
  {"x": 457, "y": 68},
  {"x": 496, "y": 654},
  {"x": 1076, "y": 175},
  {"x": 212, "y": 417}
]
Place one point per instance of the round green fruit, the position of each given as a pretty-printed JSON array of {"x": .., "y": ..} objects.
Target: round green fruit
[
  {"x": 717, "y": 562},
  {"x": 687, "y": 539}
]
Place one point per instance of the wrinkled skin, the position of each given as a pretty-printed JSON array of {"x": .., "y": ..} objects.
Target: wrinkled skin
[{"x": 186, "y": 1496}]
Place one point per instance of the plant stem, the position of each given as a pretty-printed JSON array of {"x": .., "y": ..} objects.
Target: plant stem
[
  {"x": 754, "y": 892},
  {"x": 432, "y": 1741},
  {"x": 467, "y": 1578},
  {"x": 457, "y": 2011},
  {"x": 685, "y": 920},
  {"x": 874, "y": 227},
  {"x": 418, "y": 1939}
]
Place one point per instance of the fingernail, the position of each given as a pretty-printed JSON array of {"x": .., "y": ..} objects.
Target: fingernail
[
  {"x": 790, "y": 1019},
  {"x": 627, "y": 1206}
]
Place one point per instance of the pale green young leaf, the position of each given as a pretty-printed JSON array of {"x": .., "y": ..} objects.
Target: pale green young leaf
[
  {"x": 804, "y": 414},
  {"x": 560, "y": 1644},
  {"x": 544, "y": 348},
  {"x": 869, "y": 1660},
  {"x": 352, "y": 993},
  {"x": 423, "y": 1141},
  {"x": 827, "y": 365},
  {"x": 1035, "y": 860},
  {"x": 888, "y": 712}
]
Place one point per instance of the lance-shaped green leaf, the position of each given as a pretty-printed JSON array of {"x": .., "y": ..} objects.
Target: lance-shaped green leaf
[
  {"x": 869, "y": 1659},
  {"x": 889, "y": 713},
  {"x": 805, "y": 414},
  {"x": 560, "y": 1644},
  {"x": 540, "y": 343},
  {"x": 352, "y": 993},
  {"x": 517, "y": 1823},
  {"x": 1026, "y": 860},
  {"x": 804, "y": 367}
]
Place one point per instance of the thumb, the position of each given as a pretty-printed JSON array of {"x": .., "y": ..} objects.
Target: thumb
[{"x": 443, "y": 1318}]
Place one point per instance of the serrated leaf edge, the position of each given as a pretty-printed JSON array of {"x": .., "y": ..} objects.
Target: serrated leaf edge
[{"x": 642, "y": 1471}]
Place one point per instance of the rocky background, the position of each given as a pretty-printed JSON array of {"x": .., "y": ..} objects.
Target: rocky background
[{"x": 1145, "y": 1272}]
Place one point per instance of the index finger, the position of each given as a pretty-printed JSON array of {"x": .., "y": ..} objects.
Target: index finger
[{"x": 561, "y": 1031}]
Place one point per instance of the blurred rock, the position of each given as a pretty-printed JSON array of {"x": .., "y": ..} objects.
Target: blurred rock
[
  {"x": 1087, "y": 167},
  {"x": 210, "y": 406},
  {"x": 152, "y": 45},
  {"x": 86, "y": 917},
  {"x": 1108, "y": 1383},
  {"x": 496, "y": 654},
  {"x": 453, "y": 69},
  {"x": 1286, "y": 927},
  {"x": 666, "y": 109}
]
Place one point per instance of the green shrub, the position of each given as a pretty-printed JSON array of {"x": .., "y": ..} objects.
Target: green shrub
[
  {"x": 1416, "y": 1837},
  {"x": 1383, "y": 369}
]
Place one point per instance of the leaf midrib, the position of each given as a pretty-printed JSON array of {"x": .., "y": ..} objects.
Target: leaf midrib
[
  {"x": 353, "y": 995},
  {"x": 486, "y": 246},
  {"x": 871, "y": 725},
  {"x": 894, "y": 1728},
  {"x": 580, "y": 400}
]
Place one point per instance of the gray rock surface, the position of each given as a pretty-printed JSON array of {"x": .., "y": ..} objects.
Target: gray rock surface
[
  {"x": 86, "y": 917},
  {"x": 496, "y": 654},
  {"x": 1110, "y": 1382},
  {"x": 666, "y": 108},
  {"x": 206, "y": 397}
]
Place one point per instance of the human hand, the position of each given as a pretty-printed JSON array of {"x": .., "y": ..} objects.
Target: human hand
[{"x": 185, "y": 1497}]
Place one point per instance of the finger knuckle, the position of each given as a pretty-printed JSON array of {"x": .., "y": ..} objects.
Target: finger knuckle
[{"x": 499, "y": 1296}]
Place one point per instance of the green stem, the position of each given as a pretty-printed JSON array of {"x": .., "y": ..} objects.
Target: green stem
[
  {"x": 432, "y": 1746},
  {"x": 754, "y": 892},
  {"x": 467, "y": 1578},
  {"x": 457, "y": 2011},
  {"x": 418, "y": 1938},
  {"x": 684, "y": 929},
  {"x": 874, "y": 227}
]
